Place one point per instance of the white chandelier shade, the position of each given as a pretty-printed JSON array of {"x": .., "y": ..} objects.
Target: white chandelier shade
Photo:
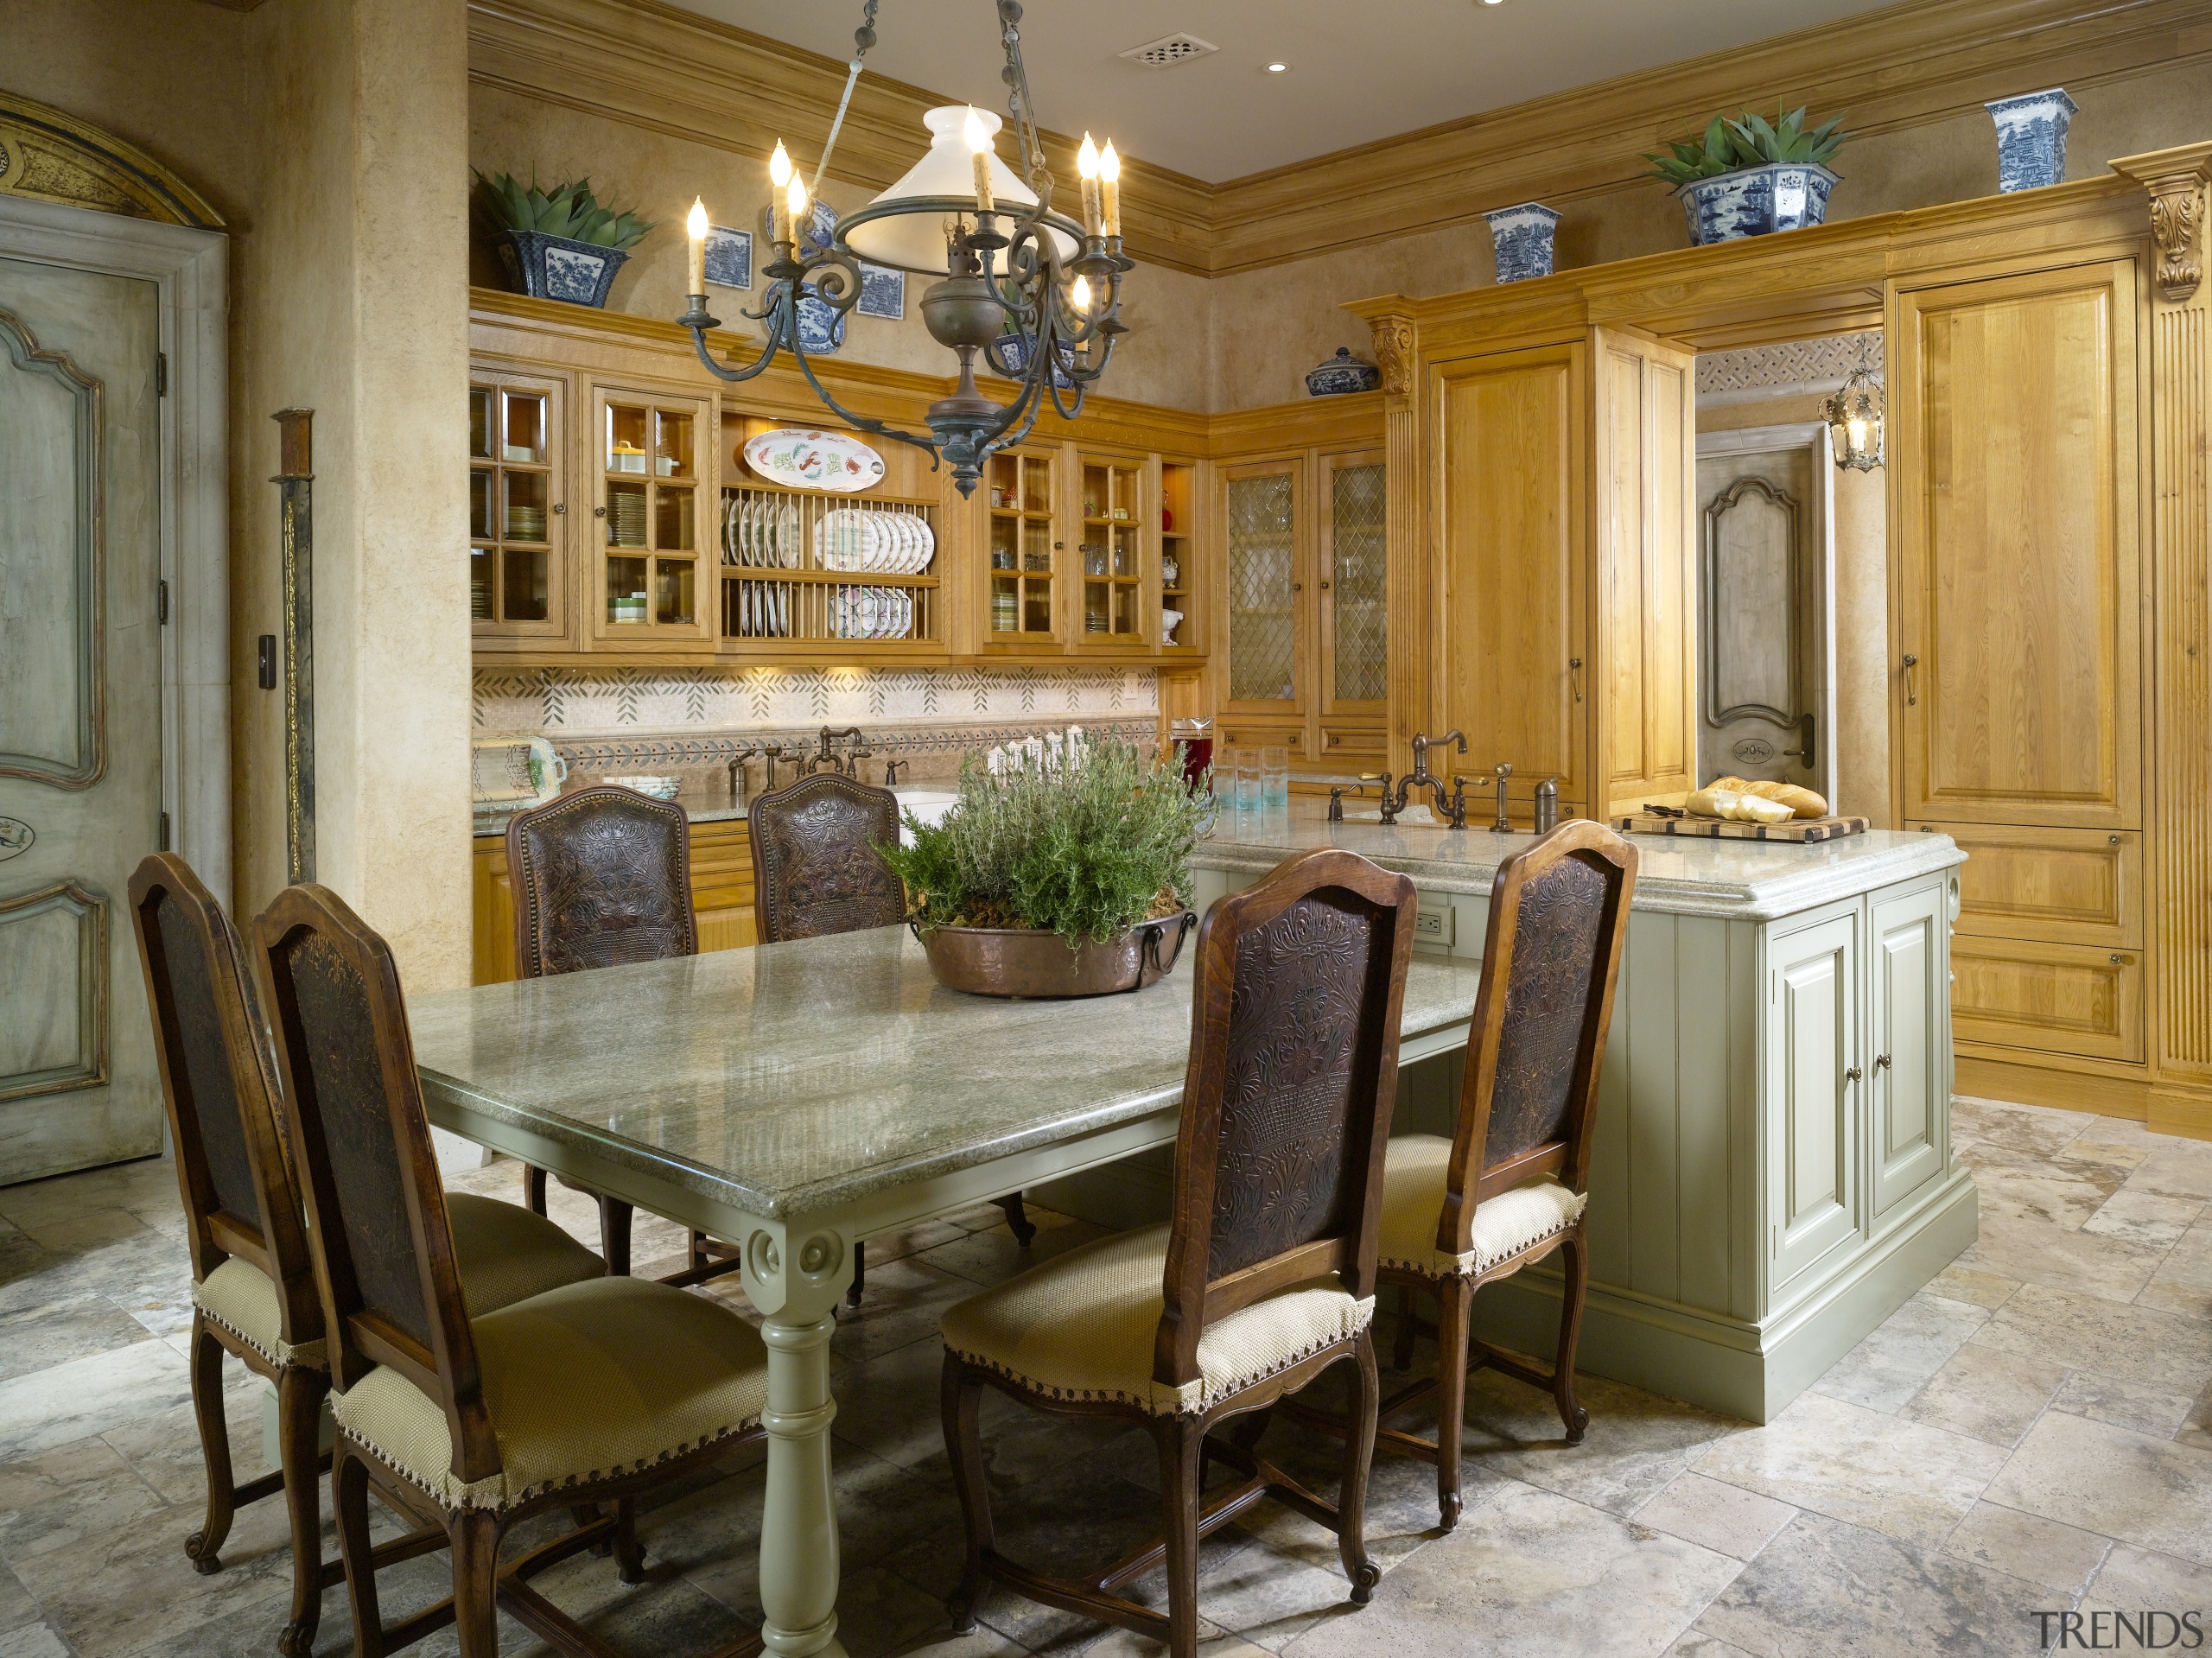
[{"x": 916, "y": 241}]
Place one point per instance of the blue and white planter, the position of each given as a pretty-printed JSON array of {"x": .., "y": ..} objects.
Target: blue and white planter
[
  {"x": 1756, "y": 201},
  {"x": 2031, "y": 138},
  {"x": 1522, "y": 238},
  {"x": 554, "y": 267},
  {"x": 1342, "y": 373}
]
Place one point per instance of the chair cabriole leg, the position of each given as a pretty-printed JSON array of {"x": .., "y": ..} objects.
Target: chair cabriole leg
[
  {"x": 959, "y": 1393},
  {"x": 298, "y": 1420},
  {"x": 475, "y": 1583},
  {"x": 860, "y": 1273},
  {"x": 1182, "y": 1468},
  {"x": 1576, "y": 1264},
  {"x": 533, "y": 1188},
  {"x": 1017, "y": 1219},
  {"x": 1455, "y": 1297},
  {"x": 349, "y": 1496},
  {"x": 203, "y": 1547},
  {"x": 1359, "y": 1455}
]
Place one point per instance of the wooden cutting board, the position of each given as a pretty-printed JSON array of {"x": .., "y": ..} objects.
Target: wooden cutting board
[{"x": 1802, "y": 830}]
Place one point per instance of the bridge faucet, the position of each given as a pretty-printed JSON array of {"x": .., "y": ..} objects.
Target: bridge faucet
[
  {"x": 827, "y": 755},
  {"x": 1452, "y": 806}
]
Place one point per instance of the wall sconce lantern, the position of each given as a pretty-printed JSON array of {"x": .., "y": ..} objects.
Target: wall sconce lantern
[{"x": 1854, "y": 418}]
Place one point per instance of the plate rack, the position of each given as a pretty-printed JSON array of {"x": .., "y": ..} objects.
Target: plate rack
[{"x": 801, "y": 566}]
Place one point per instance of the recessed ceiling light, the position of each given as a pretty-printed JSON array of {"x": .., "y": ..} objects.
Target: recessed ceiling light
[{"x": 1277, "y": 68}]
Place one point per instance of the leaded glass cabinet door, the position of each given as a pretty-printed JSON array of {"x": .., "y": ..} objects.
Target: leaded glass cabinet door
[
  {"x": 654, "y": 465},
  {"x": 519, "y": 513},
  {"x": 1354, "y": 596},
  {"x": 1026, "y": 549},
  {"x": 1267, "y": 668}
]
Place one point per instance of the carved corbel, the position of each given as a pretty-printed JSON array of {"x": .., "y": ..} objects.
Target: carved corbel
[
  {"x": 2176, "y": 180},
  {"x": 1394, "y": 353}
]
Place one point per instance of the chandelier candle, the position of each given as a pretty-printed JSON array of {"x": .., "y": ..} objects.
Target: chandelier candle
[
  {"x": 1110, "y": 184},
  {"x": 780, "y": 175},
  {"x": 979, "y": 146},
  {"x": 696, "y": 224},
  {"x": 1086, "y": 164}
]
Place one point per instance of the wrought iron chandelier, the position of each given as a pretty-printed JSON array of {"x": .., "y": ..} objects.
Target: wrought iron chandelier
[
  {"x": 1855, "y": 417},
  {"x": 1036, "y": 292}
]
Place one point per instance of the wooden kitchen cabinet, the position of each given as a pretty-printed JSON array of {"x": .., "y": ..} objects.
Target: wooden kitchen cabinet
[{"x": 521, "y": 522}]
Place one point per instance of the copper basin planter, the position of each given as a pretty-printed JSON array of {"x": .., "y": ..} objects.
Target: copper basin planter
[{"x": 1027, "y": 961}]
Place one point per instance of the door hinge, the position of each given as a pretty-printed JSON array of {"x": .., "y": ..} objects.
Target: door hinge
[
  {"x": 164, "y": 846},
  {"x": 161, "y": 603},
  {"x": 161, "y": 374}
]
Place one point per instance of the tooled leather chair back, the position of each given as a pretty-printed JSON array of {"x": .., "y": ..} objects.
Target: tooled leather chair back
[
  {"x": 603, "y": 877},
  {"x": 815, "y": 867}
]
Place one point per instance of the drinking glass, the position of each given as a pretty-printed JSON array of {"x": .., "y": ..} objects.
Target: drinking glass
[
  {"x": 1248, "y": 779},
  {"x": 1275, "y": 776},
  {"x": 1193, "y": 735}
]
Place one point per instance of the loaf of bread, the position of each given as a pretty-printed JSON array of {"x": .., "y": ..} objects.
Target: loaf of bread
[
  {"x": 1713, "y": 801},
  {"x": 1802, "y": 802}
]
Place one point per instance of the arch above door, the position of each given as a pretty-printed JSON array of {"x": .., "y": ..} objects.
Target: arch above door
[{"x": 49, "y": 154}]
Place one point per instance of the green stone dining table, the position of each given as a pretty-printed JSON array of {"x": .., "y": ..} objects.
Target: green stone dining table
[{"x": 792, "y": 1099}]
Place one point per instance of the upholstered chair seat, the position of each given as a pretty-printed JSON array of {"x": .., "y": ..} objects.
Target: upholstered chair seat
[
  {"x": 1083, "y": 1326},
  {"x": 505, "y": 1254},
  {"x": 584, "y": 1384},
  {"x": 1413, "y": 1173}
]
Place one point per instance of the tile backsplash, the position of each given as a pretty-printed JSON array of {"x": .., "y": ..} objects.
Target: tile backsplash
[{"x": 676, "y": 719}]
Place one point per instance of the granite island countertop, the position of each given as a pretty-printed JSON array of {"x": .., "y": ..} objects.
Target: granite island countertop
[
  {"x": 706, "y": 805},
  {"x": 1740, "y": 880}
]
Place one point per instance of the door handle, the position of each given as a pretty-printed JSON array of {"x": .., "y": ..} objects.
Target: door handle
[
  {"x": 1574, "y": 671},
  {"x": 1911, "y": 685}
]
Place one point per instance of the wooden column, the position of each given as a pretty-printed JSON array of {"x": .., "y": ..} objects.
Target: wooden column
[
  {"x": 1414, "y": 659},
  {"x": 2180, "y": 644}
]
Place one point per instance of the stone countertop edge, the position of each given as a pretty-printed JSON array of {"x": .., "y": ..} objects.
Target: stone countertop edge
[{"x": 1732, "y": 880}]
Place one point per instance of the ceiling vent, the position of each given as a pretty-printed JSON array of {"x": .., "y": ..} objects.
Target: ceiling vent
[{"x": 1169, "y": 50}]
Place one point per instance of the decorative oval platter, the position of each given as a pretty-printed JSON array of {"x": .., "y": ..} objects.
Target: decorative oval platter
[{"x": 810, "y": 459}]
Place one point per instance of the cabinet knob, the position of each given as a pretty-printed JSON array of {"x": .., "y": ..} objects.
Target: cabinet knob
[
  {"x": 1298, "y": 587},
  {"x": 1852, "y": 1075},
  {"x": 1881, "y": 1062},
  {"x": 562, "y": 506},
  {"x": 1324, "y": 587}
]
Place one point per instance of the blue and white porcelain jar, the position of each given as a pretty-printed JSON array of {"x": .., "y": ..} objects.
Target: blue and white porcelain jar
[
  {"x": 1756, "y": 200},
  {"x": 1522, "y": 238},
  {"x": 545, "y": 266},
  {"x": 2031, "y": 138},
  {"x": 1341, "y": 374}
]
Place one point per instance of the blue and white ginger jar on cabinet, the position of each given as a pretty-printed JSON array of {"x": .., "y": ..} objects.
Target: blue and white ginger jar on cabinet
[
  {"x": 2031, "y": 138},
  {"x": 1522, "y": 238},
  {"x": 1341, "y": 374},
  {"x": 1756, "y": 200}
]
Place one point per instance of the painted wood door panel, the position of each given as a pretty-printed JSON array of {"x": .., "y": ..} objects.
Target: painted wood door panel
[
  {"x": 1908, "y": 1067},
  {"x": 2071, "y": 998},
  {"x": 2062, "y": 885},
  {"x": 1516, "y": 668},
  {"x": 2015, "y": 492},
  {"x": 1645, "y": 569},
  {"x": 1812, "y": 1100},
  {"x": 80, "y": 712}
]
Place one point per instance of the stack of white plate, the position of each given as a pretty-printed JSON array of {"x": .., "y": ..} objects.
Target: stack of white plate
[
  {"x": 859, "y": 538},
  {"x": 872, "y": 613},
  {"x": 762, "y": 532},
  {"x": 625, "y": 517},
  {"x": 764, "y": 609}
]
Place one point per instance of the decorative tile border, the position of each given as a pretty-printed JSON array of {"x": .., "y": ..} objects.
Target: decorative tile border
[
  {"x": 578, "y": 705},
  {"x": 1795, "y": 368},
  {"x": 945, "y": 744}
]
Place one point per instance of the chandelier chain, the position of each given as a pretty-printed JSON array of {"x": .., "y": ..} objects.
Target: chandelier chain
[{"x": 863, "y": 38}]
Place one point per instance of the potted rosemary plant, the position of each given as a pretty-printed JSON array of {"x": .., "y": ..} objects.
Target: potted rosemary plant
[
  {"x": 557, "y": 243},
  {"x": 1749, "y": 176},
  {"x": 1062, "y": 870}
]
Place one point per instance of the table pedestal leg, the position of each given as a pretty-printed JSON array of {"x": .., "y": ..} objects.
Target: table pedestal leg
[{"x": 798, "y": 1523}]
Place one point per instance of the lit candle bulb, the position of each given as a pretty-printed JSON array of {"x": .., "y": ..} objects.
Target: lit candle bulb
[
  {"x": 1079, "y": 294},
  {"x": 1086, "y": 163},
  {"x": 1110, "y": 182},
  {"x": 795, "y": 204},
  {"x": 696, "y": 224},
  {"x": 780, "y": 175},
  {"x": 979, "y": 146}
]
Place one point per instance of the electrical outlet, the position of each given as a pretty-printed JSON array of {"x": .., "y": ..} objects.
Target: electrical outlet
[{"x": 1432, "y": 923}]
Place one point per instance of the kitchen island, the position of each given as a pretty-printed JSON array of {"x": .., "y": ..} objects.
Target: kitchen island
[{"x": 1773, "y": 1172}]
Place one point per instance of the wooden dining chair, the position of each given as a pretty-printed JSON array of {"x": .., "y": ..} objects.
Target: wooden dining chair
[
  {"x": 603, "y": 877},
  {"x": 816, "y": 873},
  {"x": 578, "y": 1398},
  {"x": 253, "y": 1290},
  {"x": 1511, "y": 1186},
  {"x": 1265, "y": 1276}
]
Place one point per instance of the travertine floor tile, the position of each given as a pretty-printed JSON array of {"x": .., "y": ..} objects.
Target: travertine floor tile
[
  {"x": 1986, "y": 1395},
  {"x": 2139, "y": 1344},
  {"x": 39, "y": 1337},
  {"x": 2123, "y": 1404},
  {"x": 1860, "y": 1466},
  {"x": 89, "y": 1395},
  {"x": 2172, "y": 1168},
  {"x": 1637, "y": 1442},
  {"x": 2049, "y": 1256},
  {"x": 18, "y": 1607},
  {"x": 1957, "y": 1283},
  {"x": 2022, "y": 1127},
  {"x": 2038, "y": 1551},
  {"x": 2106, "y": 1479},
  {"x": 1723, "y": 1517},
  {"x": 1540, "y": 1577},
  {"x": 1826, "y": 1590},
  {"x": 1895, "y": 1361},
  {"x": 33, "y": 1641},
  {"x": 2137, "y": 1580},
  {"x": 2144, "y": 1218}
]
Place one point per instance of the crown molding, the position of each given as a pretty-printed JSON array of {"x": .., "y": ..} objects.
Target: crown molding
[{"x": 654, "y": 65}]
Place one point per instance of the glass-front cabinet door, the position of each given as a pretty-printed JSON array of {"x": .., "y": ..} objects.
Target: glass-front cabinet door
[
  {"x": 1112, "y": 551},
  {"x": 517, "y": 508},
  {"x": 1024, "y": 551},
  {"x": 654, "y": 455},
  {"x": 1266, "y": 671},
  {"x": 1352, "y": 613}
]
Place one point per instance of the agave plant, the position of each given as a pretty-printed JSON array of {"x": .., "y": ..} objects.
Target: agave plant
[
  {"x": 569, "y": 210},
  {"x": 1748, "y": 140}
]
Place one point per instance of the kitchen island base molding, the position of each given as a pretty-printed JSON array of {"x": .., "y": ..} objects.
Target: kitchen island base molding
[{"x": 1738, "y": 1370}]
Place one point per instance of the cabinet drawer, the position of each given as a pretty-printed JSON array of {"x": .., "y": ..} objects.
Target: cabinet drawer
[
  {"x": 1255, "y": 738},
  {"x": 1351, "y": 742},
  {"x": 2058, "y": 885},
  {"x": 722, "y": 866},
  {"x": 2072, "y": 999}
]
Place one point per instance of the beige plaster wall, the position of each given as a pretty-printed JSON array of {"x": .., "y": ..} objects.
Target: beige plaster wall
[
  {"x": 1161, "y": 359},
  {"x": 1862, "y": 613},
  {"x": 1275, "y": 324}
]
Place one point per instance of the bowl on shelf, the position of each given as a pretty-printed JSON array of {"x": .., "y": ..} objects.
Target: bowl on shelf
[{"x": 659, "y": 788}]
